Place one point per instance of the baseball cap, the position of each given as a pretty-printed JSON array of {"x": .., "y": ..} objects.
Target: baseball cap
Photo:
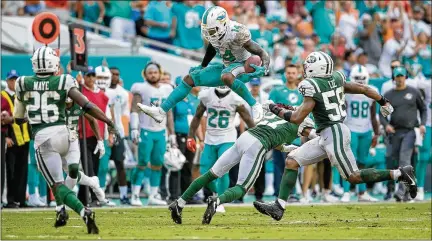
[
  {"x": 418, "y": 9},
  {"x": 255, "y": 82},
  {"x": 398, "y": 71},
  {"x": 12, "y": 74},
  {"x": 90, "y": 70}
]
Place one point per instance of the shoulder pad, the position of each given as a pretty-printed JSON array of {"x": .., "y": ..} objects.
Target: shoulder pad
[
  {"x": 242, "y": 34},
  {"x": 306, "y": 88},
  {"x": 341, "y": 75}
]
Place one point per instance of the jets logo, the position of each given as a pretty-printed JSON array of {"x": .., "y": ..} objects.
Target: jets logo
[{"x": 311, "y": 59}]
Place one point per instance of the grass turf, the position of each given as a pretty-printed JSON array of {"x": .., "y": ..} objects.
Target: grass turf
[{"x": 377, "y": 221}]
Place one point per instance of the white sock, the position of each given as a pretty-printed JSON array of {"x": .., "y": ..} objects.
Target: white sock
[
  {"x": 396, "y": 174},
  {"x": 281, "y": 202},
  {"x": 136, "y": 190},
  {"x": 154, "y": 190},
  {"x": 85, "y": 180},
  {"x": 181, "y": 202},
  {"x": 420, "y": 189},
  {"x": 123, "y": 191},
  {"x": 82, "y": 212},
  {"x": 218, "y": 201},
  {"x": 269, "y": 177},
  {"x": 59, "y": 207},
  {"x": 70, "y": 182}
]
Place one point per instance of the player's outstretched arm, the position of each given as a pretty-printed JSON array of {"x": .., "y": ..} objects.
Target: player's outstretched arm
[
  {"x": 254, "y": 48},
  {"x": 375, "y": 124},
  {"x": 89, "y": 107},
  {"x": 244, "y": 114},
  {"x": 296, "y": 116},
  {"x": 355, "y": 88}
]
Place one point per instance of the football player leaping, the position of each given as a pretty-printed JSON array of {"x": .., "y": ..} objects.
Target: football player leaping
[
  {"x": 324, "y": 96},
  {"x": 233, "y": 42},
  {"x": 43, "y": 98}
]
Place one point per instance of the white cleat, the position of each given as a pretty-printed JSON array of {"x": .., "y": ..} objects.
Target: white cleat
[
  {"x": 365, "y": 197},
  {"x": 108, "y": 203},
  {"x": 43, "y": 200},
  {"x": 220, "y": 209},
  {"x": 346, "y": 197},
  {"x": 338, "y": 189},
  {"x": 257, "y": 112},
  {"x": 420, "y": 195},
  {"x": 328, "y": 198},
  {"x": 304, "y": 200},
  {"x": 53, "y": 204},
  {"x": 156, "y": 200},
  {"x": 34, "y": 201},
  {"x": 136, "y": 201},
  {"x": 100, "y": 194},
  {"x": 153, "y": 111}
]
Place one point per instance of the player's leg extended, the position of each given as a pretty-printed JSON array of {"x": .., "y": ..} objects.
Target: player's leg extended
[
  {"x": 156, "y": 163},
  {"x": 425, "y": 158},
  {"x": 309, "y": 153},
  {"x": 104, "y": 165},
  {"x": 224, "y": 181},
  {"x": 209, "y": 76},
  {"x": 207, "y": 160}
]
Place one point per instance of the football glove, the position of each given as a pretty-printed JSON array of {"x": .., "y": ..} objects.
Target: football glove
[
  {"x": 386, "y": 109},
  {"x": 259, "y": 71},
  {"x": 100, "y": 147},
  {"x": 172, "y": 140},
  {"x": 113, "y": 130},
  {"x": 288, "y": 148},
  {"x": 191, "y": 144},
  {"x": 135, "y": 136}
]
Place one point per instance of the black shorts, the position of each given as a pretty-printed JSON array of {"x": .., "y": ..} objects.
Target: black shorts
[{"x": 117, "y": 152}]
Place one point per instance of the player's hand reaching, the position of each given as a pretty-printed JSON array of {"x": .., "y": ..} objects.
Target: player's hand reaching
[
  {"x": 135, "y": 136},
  {"x": 386, "y": 108},
  {"x": 259, "y": 71},
  {"x": 191, "y": 144},
  {"x": 199, "y": 67},
  {"x": 100, "y": 147}
]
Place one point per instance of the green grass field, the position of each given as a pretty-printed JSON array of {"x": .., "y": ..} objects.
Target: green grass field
[{"x": 378, "y": 221}]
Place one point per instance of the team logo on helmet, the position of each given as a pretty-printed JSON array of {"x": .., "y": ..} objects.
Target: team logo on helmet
[
  {"x": 311, "y": 59},
  {"x": 221, "y": 16}
]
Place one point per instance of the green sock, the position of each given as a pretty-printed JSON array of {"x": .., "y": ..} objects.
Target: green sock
[
  {"x": 374, "y": 175},
  {"x": 178, "y": 94},
  {"x": 241, "y": 89},
  {"x": 288, "y": 182},
  {"x": 232, "y": 194},
  {"x": 69, "y": 198},
  {"x": 196, "y": 185}
]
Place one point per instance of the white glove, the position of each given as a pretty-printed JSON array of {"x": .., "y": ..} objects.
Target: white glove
[
  {"x": 172, "y": 140},
  {"x": 100, "y": 147},
  {"x": 288, "y": 148},
  {"x": 386, "y": 109},
  {"x": 266, "y": 104},
  {"x": 372, "y": 152},
  {"x": 307, "y": 123},
  {"x": 135, "y": 135}
]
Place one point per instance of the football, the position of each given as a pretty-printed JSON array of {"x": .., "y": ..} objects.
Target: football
[{"x": 254, "y": 59}]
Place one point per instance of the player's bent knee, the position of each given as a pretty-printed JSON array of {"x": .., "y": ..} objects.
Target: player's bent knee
[
  {"x": 355, "y": 178},
  {"x": 291, "y": 164},
  {"x": 141, "y": 167},
  {"x": 189, "y": 81},
  {"x": 156, "y": 167},
  {"x": 228, "y": 79},
  {"x": 73, "y": 171}
]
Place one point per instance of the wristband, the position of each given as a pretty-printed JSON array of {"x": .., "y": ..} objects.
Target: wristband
[
  {"x": 383, "y": 101},
  {"x": 287, "y": 115},
  {"x": 275, "y": 109}
]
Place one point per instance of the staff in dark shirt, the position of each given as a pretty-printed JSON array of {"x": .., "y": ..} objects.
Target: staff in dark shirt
[{"x": 407, "y": 103}]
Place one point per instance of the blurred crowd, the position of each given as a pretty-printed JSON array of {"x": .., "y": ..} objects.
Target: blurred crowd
[{"x": 380, "y": 35}]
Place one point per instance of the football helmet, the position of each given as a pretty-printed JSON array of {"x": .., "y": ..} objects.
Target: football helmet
[
  {"x": 45, "y": 60},
  {"x": 359, "y": 74},
  {"x": 214, "y": 23},
  {"x": 318, "y": 64},
  {"x": 174, "y": 159},
  {"x": 223, "y": 89},
  {"x": 103, "y": 77}
]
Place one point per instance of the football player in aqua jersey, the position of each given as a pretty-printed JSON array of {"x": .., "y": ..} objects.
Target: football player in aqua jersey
[
  {"x": 221, "y": 106},
  {"x": 233, "y": 42},
  {"x": 42, "y": 98},
  {"x": 324, "y": 97},
  {"x": 249, "y": 150},
  {"x": 361, "y": 120}
]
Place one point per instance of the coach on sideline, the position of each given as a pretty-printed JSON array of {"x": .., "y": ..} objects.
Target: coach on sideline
[{"x": 406, "y": 101}]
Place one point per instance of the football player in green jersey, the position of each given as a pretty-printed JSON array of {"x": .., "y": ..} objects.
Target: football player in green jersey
[
  {"x": 41, "y": 99},
  {"x": 249, "y": 150},
  {"x": 324, "y": 97}
]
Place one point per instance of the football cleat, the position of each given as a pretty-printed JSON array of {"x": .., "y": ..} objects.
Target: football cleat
[
  {"x": 156, "y": 200},
  {"x": 125, "y": 201},
  {"x": 408, "y": 178},
  {"x": 176, "y": 212},
  {"x": 221, "y": 208},
  {"x": 61, "y": 217},
  {"x": 210, "y": 211},
  {"x": 272, "y": 209},
  {"x": 366, "y": 197},
  {"x": 136, "y": 201},
  {"x": 346, "y": 197},
  {"x": 153, "y": 111},
  {"x": 89, "y": 219},
  {"x": 257, "y": 112}
]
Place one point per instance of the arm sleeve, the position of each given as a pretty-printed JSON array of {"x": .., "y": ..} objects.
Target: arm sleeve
[{"x": 421, "y": 107}]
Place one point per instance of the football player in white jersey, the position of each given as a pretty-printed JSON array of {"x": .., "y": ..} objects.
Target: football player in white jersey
[
  {"x": 119, "y": 99},
  {"x": 221, "y": 106},
  {"x": 152, "y": 139},
  {"x": 232, "y": 41},
  {"x": 361, "y": 120}
]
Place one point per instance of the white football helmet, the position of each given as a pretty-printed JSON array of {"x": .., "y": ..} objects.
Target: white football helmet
[
  {"x": 103, "y": 77},
  {"x": 214, "y": 23},
  {"x": 359, "y": 74},
  {"x": 45, "y": 60},
  {"x": 174, "y": 159},
  {"x": 318, "y": 64},
  {"x": 223, "y": 89}
]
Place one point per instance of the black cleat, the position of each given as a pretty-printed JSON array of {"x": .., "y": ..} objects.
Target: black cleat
[
  {"x": 61, "y": 218},
  {"x": 210, "y": 211},
  {"x": 408, "y": 178},
  {"x": 273, "y": 209},
  {"x": 176, "y": 212},
  {"x": 89, "y": 219}
]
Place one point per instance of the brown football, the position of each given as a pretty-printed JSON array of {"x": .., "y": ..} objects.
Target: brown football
[{"x": 254, "y": 59}]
